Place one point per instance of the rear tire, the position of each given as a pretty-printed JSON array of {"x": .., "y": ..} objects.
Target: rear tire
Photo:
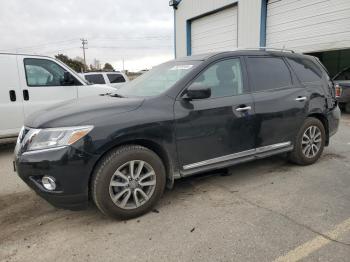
[
  {"x": 309, "y": 143},
  {"x": 128, "y": 182}
]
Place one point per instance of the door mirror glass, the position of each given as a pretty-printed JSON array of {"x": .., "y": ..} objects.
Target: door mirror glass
[{"x": 197, "y": 91}]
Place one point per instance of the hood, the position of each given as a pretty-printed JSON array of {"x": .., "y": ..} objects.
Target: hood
[{"x": 81, "y": 111}]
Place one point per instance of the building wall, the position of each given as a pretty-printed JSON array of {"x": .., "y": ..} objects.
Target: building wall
[
  {"x": 248, "y": 20},
  {"x": 308, "y": 25}
]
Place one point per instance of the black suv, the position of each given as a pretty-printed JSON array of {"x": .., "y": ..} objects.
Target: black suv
[{"x": 183, "y": 117}]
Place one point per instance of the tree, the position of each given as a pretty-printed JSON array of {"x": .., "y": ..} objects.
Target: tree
[
  {"x": 76, "y": 65},
  {"x": 108, "y": 67}
]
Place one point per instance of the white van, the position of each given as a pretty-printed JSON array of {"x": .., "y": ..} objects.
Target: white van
[
  {"x": 29, "y": 83},
  {"x": 115, "y": 78}
]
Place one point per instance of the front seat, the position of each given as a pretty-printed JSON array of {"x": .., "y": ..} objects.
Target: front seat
[{"x": 227, "y": 86}]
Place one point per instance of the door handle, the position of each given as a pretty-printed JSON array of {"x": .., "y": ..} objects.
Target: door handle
[
  {"x": 12, "y": 95},
  {"x": 25, "y": 94},
  {"x": 240, "y": 109},
  {"x": 301, "y": 98}
]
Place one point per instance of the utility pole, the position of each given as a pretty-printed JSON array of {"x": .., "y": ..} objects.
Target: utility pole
[
  {"x": 123, "y": 65},
  {"x": 84, "y": 42}
]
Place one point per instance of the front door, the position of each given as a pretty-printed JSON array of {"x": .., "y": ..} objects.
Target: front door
[
  {"x": 211, "y": 131},
  {"x": 11, "y": 105},
  {"x": 44, "y": 84}
]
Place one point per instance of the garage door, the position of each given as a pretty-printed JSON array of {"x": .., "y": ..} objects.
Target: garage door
[
  {"x": 215, "y": 32},
  {"x": 308, "y": 25}
]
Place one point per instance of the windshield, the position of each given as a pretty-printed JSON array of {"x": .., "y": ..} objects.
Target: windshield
[{"x": 158, "y": 80}]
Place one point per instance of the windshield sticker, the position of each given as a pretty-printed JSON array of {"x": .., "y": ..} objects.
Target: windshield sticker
[{"x": 181, "y": 67}]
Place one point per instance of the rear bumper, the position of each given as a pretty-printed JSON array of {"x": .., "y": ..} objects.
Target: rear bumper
[
  {"x": 333, "y": 118},
  {"x": 71, "y": 169}
]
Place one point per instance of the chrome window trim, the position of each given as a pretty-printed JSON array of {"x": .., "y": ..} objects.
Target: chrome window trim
[{"x": 237, "y": 155}]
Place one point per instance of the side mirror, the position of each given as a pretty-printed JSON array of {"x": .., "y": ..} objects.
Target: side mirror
[
  {"x": 197, "y": 91},
  {"x": 68, "y": 79}
]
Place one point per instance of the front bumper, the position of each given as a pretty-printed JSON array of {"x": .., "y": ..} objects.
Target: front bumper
[{"x": 71, "y": 169}]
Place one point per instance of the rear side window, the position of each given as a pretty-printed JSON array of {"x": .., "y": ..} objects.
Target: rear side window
[
  {"x": 267, "y": 73},
  {"x": 95, "y": 79},
  {"x": 115, "y": 78},
  {"x": 306, "y": 70}
]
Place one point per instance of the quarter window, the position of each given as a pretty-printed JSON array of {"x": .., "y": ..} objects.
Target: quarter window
[
  {"x": 95, "y": 79},
  {"x": 224, "y": 78},
  {"x": 305, "y": 69},
  {"x": 43, "y": 72},
  {"x": 267, "y": 73},
  {"x": 115, "y": 78}
]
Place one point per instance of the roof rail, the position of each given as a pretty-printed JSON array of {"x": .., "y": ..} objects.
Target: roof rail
[{"x": 269, "y": 48}]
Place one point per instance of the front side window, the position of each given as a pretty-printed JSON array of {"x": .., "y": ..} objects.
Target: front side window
[
  {"x": 305, "y": 69},
  {"x": 115, "y": 78},
  {"x": 158, "y": 80},
  {"x": 266, "y": 73},
  {"x": 224, "y": 78},
  {"x": 43, "y": 72},
  {"x": 95, "y": 79}
]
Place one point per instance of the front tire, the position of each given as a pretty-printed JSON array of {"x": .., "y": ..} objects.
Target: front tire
[
  {"x": 310, "y": 142},
  {"x": 128, "y": 182}
]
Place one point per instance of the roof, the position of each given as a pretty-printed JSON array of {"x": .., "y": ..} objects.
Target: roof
[
  {"x": 249, "y": 51},
  {"x": 45, "y": 56}
]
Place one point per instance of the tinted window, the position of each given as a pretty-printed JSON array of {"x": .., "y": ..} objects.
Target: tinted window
[
  {"x": 268, "y": 73},
  {"x": 115, "y": 78},
  {"x": 344, "y": 75},
  {"x": 42, "y": 72},
  {"x": 305, "y": 69},
  {"x": 95, "y": 79},
  {"x": 224, "y": 78}
]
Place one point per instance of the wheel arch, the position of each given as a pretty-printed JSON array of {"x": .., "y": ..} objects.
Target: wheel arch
[
  {"x": 324, "y": 121},
  {"x": 149, "y": 144}
]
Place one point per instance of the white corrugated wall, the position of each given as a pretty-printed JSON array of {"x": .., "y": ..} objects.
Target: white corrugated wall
[{"x": 308, "y": 25}]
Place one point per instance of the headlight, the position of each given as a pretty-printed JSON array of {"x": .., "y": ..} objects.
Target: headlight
[{"x": 56, "y": 137}]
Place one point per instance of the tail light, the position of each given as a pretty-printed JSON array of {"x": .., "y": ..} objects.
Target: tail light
[{"x": 338, "y": 90}]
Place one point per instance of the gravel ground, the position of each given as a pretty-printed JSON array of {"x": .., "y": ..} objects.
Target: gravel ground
[{"x": 261, "y": 211}]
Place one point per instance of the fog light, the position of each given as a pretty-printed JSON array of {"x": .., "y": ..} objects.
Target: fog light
[{"x": 48, "y": 182}]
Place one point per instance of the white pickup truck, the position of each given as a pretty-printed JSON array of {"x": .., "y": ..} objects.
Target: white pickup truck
[{"x": 29, "y": 83}]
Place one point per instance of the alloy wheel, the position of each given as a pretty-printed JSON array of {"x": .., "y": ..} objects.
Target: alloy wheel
[
  {"x": 132, "y": 184},
  {"x": 311, "y": 141}
]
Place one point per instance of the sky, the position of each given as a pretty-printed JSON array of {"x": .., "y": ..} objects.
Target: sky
[{"x": 138, "y": 31}]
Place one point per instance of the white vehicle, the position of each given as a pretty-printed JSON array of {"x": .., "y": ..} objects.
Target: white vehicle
[
  {"x": 113, "y": 78},
  {"x": 29, "y": 83}
]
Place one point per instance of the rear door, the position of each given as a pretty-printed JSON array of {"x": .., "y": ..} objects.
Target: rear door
[
  {"x": 279, "y": 101},
  {"x": 11, "y": 106},
  {"x": 43, "y": 83}
]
